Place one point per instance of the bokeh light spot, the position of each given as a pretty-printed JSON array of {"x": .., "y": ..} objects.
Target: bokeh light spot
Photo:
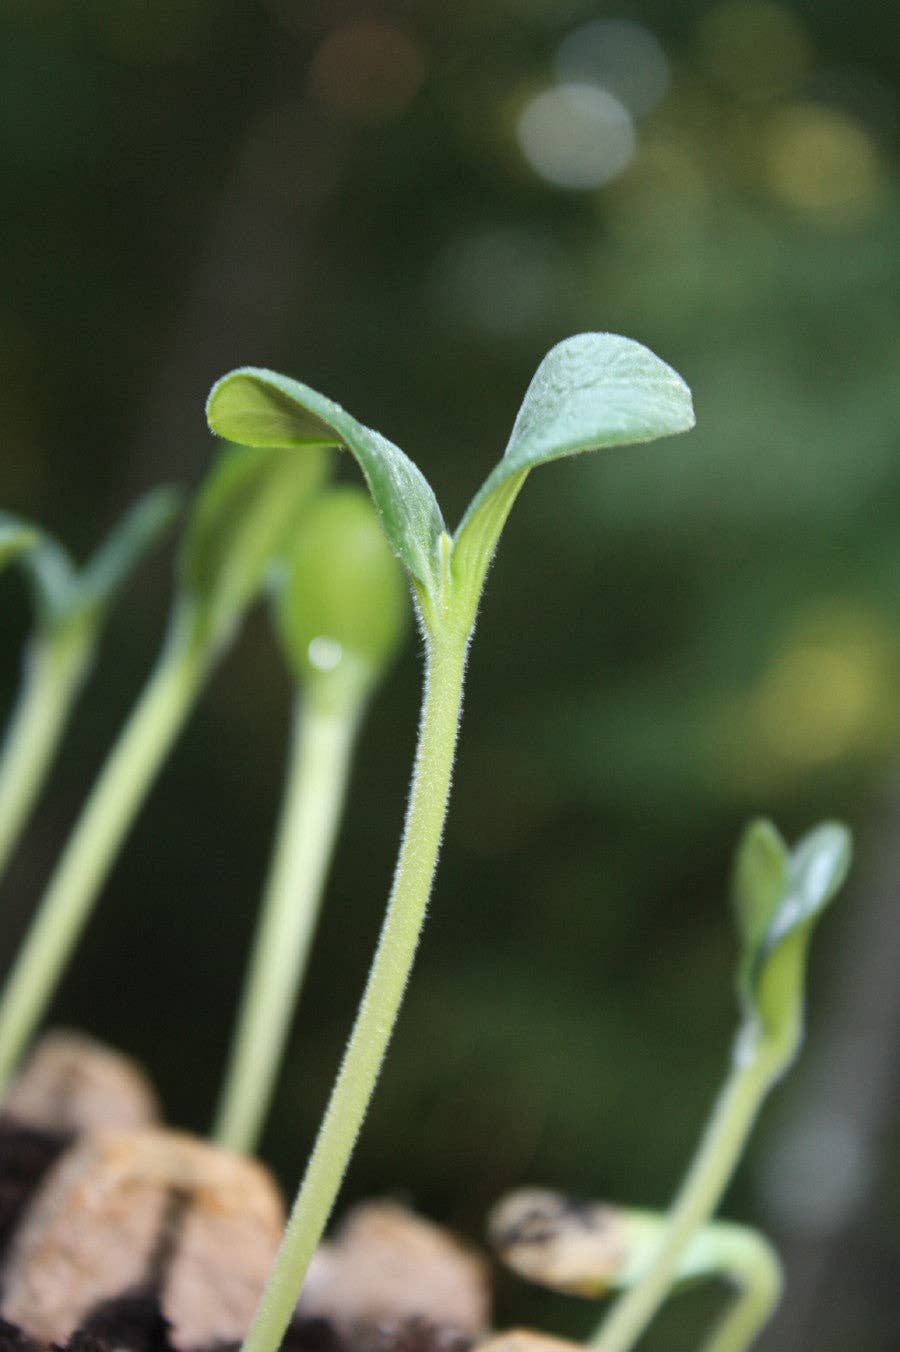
[
  {"x": 324, "y": 653},
  {"x": 756, "y": 49},
  {"x": 576, "y": 135},
  {"x": 367, "y": 71},
  {"x": 822, "y": 161},
  {"x": 619, "y": 55}
]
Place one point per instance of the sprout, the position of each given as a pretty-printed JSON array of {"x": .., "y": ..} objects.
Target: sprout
[
  {"x": 592, "y": 1249},
  {"x": 340, "y": 609},
  {"x": 71, "y": 606},
  {"x": 239, "y": 525},
  {"x": 591, "y": 391},
  {"x": 778, "y": 896}
]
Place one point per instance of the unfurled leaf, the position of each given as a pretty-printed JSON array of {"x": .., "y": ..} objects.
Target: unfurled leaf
[
  {"x": 342, "y": 603},
  {"x": 592, "y": 391},
  {"x": 778, "y": 899},
  {"x": 240, "y": 524},
  {"x": 261, "y": 408}
]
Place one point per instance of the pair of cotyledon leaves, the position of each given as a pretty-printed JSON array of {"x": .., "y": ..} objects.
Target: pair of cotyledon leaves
[
  {"x": 591, "y": 391},
  {"x": 69, "y": 600},
  {"x": 779, "y": 893}
]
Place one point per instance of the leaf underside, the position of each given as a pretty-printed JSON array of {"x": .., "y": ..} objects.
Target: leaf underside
[{"x": 261, "y": 408}]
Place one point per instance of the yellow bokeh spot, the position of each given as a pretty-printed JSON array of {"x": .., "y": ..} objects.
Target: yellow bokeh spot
[
  {"x": 821, "y": 161},
  {"x": 829, "y": 694}
]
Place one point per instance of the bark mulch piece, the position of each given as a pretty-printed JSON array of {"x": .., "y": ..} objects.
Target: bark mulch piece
[{"x": 26, "y": 1154}]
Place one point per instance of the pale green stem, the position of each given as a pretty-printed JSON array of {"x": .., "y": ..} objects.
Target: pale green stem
[
  {"x": 750, "y": 1263},
  {"x": 322, "y": 743},
  {"x": 381, "y": 999},
  {"x": 54, "y": 667},
  {"x": 720, "y": 1150},
  {"x": 94, "y": 844}
]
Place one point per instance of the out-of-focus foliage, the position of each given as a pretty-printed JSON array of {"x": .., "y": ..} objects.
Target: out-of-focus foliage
[{"x": 407, "y": 205}]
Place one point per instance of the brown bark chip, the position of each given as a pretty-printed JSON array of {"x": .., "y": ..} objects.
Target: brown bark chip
[
  {"x": 70, "y": 1083},
  {"x": 387, "y": 1265},
  {"x": 123, "y": 1208},
  {"x": 526, "y": 1340},
  {"x": 26, "y": 1154}
]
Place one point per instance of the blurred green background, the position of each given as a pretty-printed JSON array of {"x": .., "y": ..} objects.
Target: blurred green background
[{"x": 405, "y": 205}]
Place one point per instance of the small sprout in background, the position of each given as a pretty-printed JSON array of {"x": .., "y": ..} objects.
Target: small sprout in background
[
  {"x": 593, "y": 1249},
  {"x": 592, "y": 391},
  {"x": 239, "y": 526},
  {"x": 778, "y": 896},
  {"x": 15, "y": 536},
  {"x": 70, "y": 606},
  {"x": 341, "y": 609}
]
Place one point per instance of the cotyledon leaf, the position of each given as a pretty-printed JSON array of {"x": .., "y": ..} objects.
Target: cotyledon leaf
[
  {"x": 66, "y": 595},
  {"x": 774, "y": 955},
  {"x": 240, "y": 524},
  {"x": 261, "y": 408},
  {"x": 590, "y": 392}
]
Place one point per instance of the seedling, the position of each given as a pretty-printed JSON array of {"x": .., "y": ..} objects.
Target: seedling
[
  {"x": 595, "y": 1249},
  {"x": 590, "y": 392},
  {"x": 340, "y": 611},
  {"x": 239, "y": 525},
  {"x": 70, "y": 609},
  {"x": 15, "y": 536},
  {"x": 778, "y": 896}
]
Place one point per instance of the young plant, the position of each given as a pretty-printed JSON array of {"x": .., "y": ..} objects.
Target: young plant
[
  {"x": 340, "y": 611},
  {"x": 239, "y": 525},
  {"x": 591, "y": 391},
  {"x": 594, "y": 1249},
  {"x": 15, "y": 536},
  {"x": 778, "y": 896},
  {"x": 70, "y": 609}
]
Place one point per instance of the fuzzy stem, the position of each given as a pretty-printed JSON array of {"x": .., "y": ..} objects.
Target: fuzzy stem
[
  {"x": 381, "y": 999},
  {"x": 720, "y": 1149},
  {"x": 322, "y": 743},
  {"x": 52, "y": 675},
  {"x": 95, "y": 842}
]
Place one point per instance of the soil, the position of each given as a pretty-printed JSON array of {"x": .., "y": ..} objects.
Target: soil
[{"x": 134, "y": 1321}]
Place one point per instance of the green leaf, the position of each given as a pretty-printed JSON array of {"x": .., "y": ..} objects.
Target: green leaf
[
  {"x": 592, "y": 391},
  {"x": 761, "y": 876},
  {"x": 342, "y": 604},
  {"x": 66, "y": 598},
  {"x": 240, "y": 524},
  {"x": 15, "y": 536},
  {"x": 261, "y": 408},
  {"x": 778, "y": 901}
]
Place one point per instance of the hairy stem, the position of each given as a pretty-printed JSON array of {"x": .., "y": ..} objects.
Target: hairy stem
[
  {"x": 94, "y": 844},
  {"x": 52, "y": 676},
  {"x": 314, "y": 795},
  {"x": 696, "y": 1201},
  {"x": 381, "y": 999}
]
